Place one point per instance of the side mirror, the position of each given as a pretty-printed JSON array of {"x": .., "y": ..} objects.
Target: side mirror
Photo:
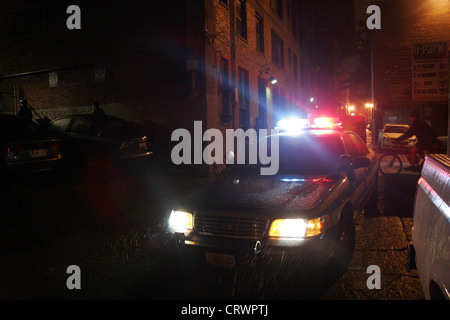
[
  {"x": 344, "y": 162},
  {"x": 360, "y": 162}
]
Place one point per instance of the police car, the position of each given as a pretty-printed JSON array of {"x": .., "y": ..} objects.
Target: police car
[{"x": 303, "y": 214}]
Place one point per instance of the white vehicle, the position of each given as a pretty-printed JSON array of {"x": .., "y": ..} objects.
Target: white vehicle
[
  {"x": 392, "y": 131},
  {"x": 430, "y": 248}
]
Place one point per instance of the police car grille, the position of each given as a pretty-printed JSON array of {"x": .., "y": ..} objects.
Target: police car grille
[{"x": 245, "y": 227}]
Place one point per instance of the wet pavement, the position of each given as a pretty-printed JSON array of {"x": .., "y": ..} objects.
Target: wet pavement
[
  {"x": 382, "y": 240},
  {"x": 114, "y": 232}
]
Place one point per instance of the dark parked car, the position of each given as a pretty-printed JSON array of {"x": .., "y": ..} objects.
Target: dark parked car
[
  {"x": 25, "y": 147},
  {"x": 304, "y": 214},
  {"x": 90, "y": 141}
]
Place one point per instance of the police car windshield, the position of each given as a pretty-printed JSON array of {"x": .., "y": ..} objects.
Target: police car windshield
[{"x": 308, "y": 154}]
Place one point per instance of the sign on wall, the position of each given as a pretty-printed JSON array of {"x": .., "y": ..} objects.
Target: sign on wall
[
  {"x": 53, "y": 79},
  {"x": 430, "y": 71}
]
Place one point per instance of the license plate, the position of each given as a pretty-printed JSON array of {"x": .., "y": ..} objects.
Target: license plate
[
  {"x": 39, "y": 153},
  {"x": 220, "y": 259}
]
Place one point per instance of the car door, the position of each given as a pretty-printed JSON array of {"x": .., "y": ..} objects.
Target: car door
[
  {"x": 81, "y": 136},
  {"x": 60, "y": 127},
  {"x": 370, "y": 172},
  {"x": 356, "y": 175}
]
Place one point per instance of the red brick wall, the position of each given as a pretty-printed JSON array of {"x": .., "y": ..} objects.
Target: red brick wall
[
  {"x": 247, "y": 57},
  {"x": 142, "y": 46},
  {"x": 404, "y": 22}
]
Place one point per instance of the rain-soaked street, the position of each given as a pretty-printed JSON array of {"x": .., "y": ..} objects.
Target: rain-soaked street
[{"x": 113, "y": 231}]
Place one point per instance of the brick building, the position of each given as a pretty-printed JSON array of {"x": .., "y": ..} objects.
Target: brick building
[
  {"x": 249, "y": 43},
  {"x": 163, "y": 61},
  {"x": 168, "y": 62},
  {"x": 128, "y": 56},
  {"x": 404, "y": 24},
  {"x": 335, "y": 54}
]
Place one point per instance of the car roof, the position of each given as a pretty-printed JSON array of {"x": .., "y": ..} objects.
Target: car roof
[
  {"x": 396, "y": 125},
  {"x": 90, "y": 116},
  {"x": 99, "y": 120},
  {"x": 109, "y": 125},
  {"x": 317, "y": 132}
]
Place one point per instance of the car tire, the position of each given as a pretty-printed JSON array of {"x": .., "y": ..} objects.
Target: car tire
[{"x": 345, "y": 239}]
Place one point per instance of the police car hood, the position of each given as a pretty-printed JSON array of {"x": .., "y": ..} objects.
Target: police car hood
[{"x": 271, "y": 195}]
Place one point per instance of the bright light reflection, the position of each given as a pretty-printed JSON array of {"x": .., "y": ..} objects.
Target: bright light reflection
[
  {"x": 288, "y": 228},
  {"x": 293, "y": 124},
  {"x": 180, "y": 220},
  {"x": 299, "y": 180}
]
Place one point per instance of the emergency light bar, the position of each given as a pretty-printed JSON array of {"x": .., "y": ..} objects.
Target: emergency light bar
[{"x": 296, "y": 125}]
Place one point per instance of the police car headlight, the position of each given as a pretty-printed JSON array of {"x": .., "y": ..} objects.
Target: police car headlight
[
  {"x": 299, "y": 228},
  {"x": 317, "y": 226},
  {"x": 288, "y": 228},
  {"x": 181, "y": 221}
]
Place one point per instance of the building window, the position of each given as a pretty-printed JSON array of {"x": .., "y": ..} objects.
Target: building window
[
  {"x": 244, "y": 98},
  {"x": 294, "y": 25},
  {"x": 277, "y": 50},
  {"x": 225, "y": 91},
  {"x": 277, "y": 6},
  {"x": 241, "y": 18},
  {"x": 276, "y": 114},
  {"x": 295, "y": 68},
  {"x": 302, "y": 72},
  {"x": 259, "y": 34}
]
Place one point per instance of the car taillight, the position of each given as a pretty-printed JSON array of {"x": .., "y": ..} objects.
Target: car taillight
[
  {"x": 124, "y": 145},
  {"x": 56, "y": 148},
  {"x": 13, "y": 150},
  {"x": 325, "y": 123},
  {"x": 143, "y": 145}
]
